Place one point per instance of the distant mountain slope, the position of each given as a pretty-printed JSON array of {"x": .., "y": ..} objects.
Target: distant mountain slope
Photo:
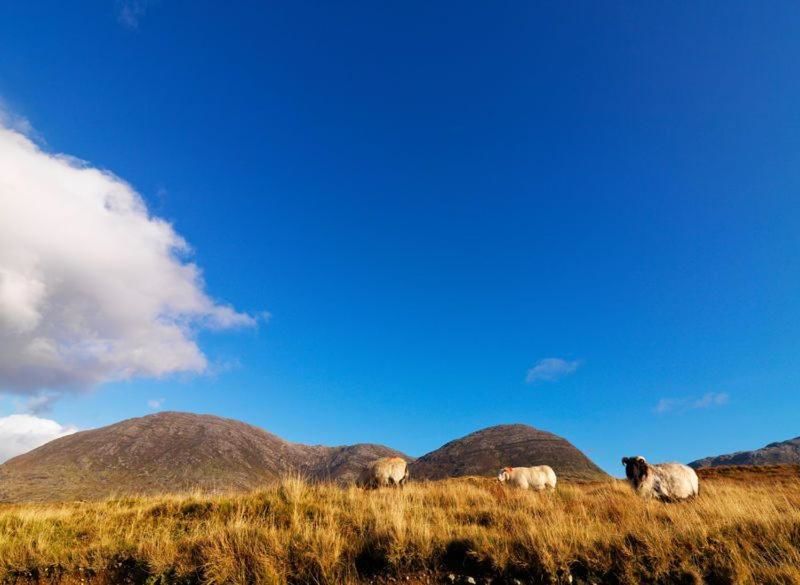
[
  {"x": 344, "y": 464},
  {"x": 172, "y": 452},
  {"x": 784, "y": 452},
  {"x": 176, "y": 452},
  {"x": 484, "y": 452}
]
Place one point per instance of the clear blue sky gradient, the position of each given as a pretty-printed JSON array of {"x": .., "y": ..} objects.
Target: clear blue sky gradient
[{"x": 430, "y": 197}]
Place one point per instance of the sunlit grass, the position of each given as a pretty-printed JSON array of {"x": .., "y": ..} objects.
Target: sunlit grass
[{"x": 296, "y": 532}]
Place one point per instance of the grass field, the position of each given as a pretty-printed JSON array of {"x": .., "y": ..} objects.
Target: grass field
[{"x": 737, "y": 531}]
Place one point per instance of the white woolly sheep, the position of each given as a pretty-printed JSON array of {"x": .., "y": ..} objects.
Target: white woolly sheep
[
  {"x": 382, "y": 472},
  {"x": 535, "y": 478}
]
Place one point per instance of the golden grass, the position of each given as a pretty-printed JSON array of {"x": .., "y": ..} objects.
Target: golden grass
[{"x": 294, "y": 532}]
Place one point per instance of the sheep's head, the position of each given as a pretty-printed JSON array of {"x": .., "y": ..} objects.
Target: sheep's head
[
  {"x": 504, "y": 475},
  {"x": 635, "y": 469}
]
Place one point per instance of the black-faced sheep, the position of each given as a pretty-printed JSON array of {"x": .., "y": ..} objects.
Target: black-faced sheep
[{"x": 664, "y": 481}]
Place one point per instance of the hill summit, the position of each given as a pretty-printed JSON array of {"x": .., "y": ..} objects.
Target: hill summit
[{"x": 484, "y": 452}]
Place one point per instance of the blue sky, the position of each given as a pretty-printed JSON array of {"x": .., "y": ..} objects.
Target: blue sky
[{"x": 431, "y": 199}]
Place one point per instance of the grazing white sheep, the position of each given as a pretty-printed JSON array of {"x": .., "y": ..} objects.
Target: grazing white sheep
[
  {"x": 535, "y": 478},
  {"x": 664, "y": 481},
  {"x": 384, "y": 472}
]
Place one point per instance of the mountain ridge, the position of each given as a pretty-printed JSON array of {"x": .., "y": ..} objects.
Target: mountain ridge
[
  {"x": 775, "y": 453},
  {"x": 175, "y": 451}
]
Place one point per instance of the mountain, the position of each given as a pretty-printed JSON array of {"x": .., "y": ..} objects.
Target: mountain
[
  {"x": 484, "y": 452},
  {"x": 772, "y": 454},
  {"x": 169, "y": 452},
  {"x": 176, "y": 452}
]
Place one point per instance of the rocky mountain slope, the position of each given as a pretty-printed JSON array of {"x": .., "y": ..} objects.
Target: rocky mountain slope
[
  {"x": 169, "y": 452},
  {"x": 484, "y": 452},
  {"x": 784, "y": 452}
]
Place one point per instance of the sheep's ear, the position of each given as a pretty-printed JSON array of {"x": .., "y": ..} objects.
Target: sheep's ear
[{"x": 624, "y": 460}]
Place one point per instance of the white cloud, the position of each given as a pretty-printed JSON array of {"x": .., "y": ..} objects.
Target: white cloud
[
  {"x": 19, "y": 433},
  {"x": 92, "y": 287},
  {"x": 131, "y": 12},
  {"x": 551, "y": 369},
  {"x": 667, "y": 404},
  {"x": 155, "y": 403},
  {"x": 708, "y": 400},
  {"x": 14, "y": 121}
]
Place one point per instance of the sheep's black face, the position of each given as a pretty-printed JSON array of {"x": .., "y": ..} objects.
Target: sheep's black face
[{"x": 635, "y": 469}]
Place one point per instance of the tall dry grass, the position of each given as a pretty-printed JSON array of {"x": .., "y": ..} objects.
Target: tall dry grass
[{"x": 296, "y": 532}]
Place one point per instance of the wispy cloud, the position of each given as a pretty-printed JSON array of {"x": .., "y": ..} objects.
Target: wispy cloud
[
  {"x": 40, "y": 403},
  {"x": 15, "y": 122},
  {"x": 711, "y": 399},
  {"x": 551, "y": 369},
  {"x": 708, "y": 400},
  {"x": 131, "y": 12},
  {"x": 155, "y": 403}
]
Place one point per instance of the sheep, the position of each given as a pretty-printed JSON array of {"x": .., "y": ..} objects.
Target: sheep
[
  {"x": 663, "y": 481},
  {"x": 382, "y": 472},
  {"x": 536, "y": 478}
]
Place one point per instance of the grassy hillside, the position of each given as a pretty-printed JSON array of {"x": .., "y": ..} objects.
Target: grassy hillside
[
  {"x": 751, "y": 473},
  {"x": 293, "y": 532}
]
